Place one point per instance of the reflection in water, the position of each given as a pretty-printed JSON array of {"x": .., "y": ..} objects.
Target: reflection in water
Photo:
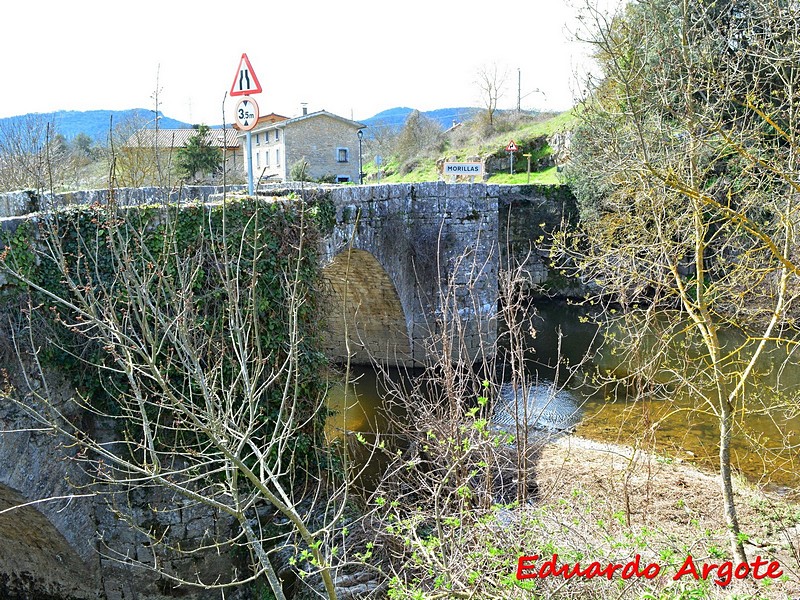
[
  {"x": 681, "y": 425},
  {"x": 360, "y": 407},
  {"x": 624, "y": 415},
  {"x": 357, "y": 405}
]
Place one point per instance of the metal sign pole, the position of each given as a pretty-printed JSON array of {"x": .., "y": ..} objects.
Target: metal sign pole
[
  {"x": 511, "y": 149},
  {"x": 249, "y": 163}
]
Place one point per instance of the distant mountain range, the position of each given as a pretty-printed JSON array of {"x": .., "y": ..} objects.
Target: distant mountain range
[
  {"x": 96, "y": 123},
  {"x": 394, "y": 118}
]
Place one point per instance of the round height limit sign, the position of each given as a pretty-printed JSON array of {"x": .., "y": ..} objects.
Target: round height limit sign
[{"x": 246, "y": 113}]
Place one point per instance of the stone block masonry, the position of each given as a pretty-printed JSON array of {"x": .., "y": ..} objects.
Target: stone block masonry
[
  {"x": 440, "y": 247},
  {"x": 436, "y": 246},
  {"x": 527, "y": 218},
  {"x": 24, "y": 202},
  {"x": 429, "y": 256}
]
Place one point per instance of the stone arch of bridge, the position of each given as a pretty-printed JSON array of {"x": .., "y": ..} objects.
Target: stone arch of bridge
[{"x": 364, "y": 313}]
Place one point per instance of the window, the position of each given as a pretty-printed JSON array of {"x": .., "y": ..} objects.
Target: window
[
  {"x": 266, "y": 158},
  {"x": 258, "y": 159},
  {"x": 277, "y": 157},
  {"x": 257, "y": 142},
  {"x": 342, "y": 178},
  {"x": 342, "y": 155},
  {"x": 277, "y": 135}
]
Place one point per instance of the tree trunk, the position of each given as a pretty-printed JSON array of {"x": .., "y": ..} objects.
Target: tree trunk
[
  {"x": 729, "y": 506},
  {"x": 263, "y": 560}
]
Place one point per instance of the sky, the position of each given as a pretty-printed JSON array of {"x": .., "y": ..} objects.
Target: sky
[{"x": 353, "y": 58}]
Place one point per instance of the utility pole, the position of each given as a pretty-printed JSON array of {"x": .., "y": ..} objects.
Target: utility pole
[{"x": 519, "y": 90}]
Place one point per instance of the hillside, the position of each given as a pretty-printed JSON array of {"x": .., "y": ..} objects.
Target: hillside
[
  {"x": 95, "y": 123},
  {"x": 543, "y": 136}
]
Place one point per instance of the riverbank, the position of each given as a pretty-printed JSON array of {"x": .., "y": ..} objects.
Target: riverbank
[{"x": 606, "y": 503}]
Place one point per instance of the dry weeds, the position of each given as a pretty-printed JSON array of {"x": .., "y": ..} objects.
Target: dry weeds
[{"x": 608, "y": 502}]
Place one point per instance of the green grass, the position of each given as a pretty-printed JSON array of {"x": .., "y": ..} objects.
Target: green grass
[
  {"x": 562, "y": 121},
  {"x": 546, "y": 177},
  {"x": 429, "y": 173},
  {"x": 426, "y": 168},
  {"x": 426, "y": 171}
]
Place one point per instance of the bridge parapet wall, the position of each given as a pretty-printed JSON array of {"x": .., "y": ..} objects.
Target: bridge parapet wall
[{"x": 24, "y": 202}]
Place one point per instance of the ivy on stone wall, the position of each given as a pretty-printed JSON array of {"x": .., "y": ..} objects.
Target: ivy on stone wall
[{"x": 204, "y": 257}]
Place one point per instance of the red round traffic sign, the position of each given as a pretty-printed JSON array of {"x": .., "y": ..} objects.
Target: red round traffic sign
[{"x": 246, "y": 113}]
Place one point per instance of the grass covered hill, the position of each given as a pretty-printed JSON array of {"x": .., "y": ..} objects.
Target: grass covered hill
[{"x": 417, "y": 150}]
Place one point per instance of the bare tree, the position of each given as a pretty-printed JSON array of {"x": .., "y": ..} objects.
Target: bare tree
[
  {"x": 490, "y": 83},
  {"x": 380, "y": 141},
  {"x": 686, "y": 169},
  {"x": 31, "y": 154},
  {"x": 135, "y": 154},
  {"x": 171, "y": 322},
  {"x": 420, "y": 137},
  {"x": 138, "y": 153}
]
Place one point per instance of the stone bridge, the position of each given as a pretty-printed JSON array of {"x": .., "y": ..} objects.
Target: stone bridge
[
  {"x": 406, "y": 263},
  {"x": 412, "y": 266},
  {"x": 403, "y": 262}
]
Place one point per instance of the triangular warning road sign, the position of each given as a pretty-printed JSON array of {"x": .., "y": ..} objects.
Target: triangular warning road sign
[
  {"x": 245, "y": 82},
  {"x": 512, "y": 147}
]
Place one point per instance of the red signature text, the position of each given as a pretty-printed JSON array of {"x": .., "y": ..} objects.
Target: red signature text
[
  {"x": 722, "y": 573},
  {"x": 527, "y": 569},
  {"x": 726, "y": 571}
]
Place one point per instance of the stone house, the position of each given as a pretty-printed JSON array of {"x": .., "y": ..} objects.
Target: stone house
[
  {"x": 169, "y": 140},
  {"x": 327, "y": 142}
]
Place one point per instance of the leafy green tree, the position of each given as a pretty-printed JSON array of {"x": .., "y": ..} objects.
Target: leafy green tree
[
  {"x": 685, "y": 172},
  {"x": 198, "y": 156}
]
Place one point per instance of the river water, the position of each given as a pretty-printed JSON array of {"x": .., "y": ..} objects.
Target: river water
[{"x": 674, "y": 423}]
